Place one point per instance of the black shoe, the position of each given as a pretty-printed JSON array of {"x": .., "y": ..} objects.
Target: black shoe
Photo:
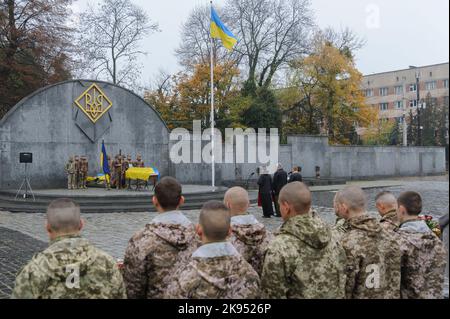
[
  {"x": 276, "y": 215},
  {"x": 266, "y": 216}
]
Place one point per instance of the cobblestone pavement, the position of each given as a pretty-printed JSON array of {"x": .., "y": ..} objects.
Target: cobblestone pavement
[
  {"x": 15, "y": 250},
  {"x": 110, "y": 232}
]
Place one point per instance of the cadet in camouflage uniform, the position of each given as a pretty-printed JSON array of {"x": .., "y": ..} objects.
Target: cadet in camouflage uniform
[
  {"x": 373, "y": 254},
  {"x": 70, "y": 268},
  {"x": 386, "y": 204},
  {"x": 248, "y": 236},
  {"x": 152, "y": 253},
  {"x": 304, "y": 260},
  {"x": 70, "y": 170},
  {"x": 424, "y": 254},
  {"x": 216, "y": 270}
]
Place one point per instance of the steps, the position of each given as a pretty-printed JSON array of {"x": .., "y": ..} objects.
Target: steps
[{"x": 126, "y": 202}]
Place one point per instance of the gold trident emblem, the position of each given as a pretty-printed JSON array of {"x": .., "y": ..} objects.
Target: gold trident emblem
[{"x": 94, "y": 103}]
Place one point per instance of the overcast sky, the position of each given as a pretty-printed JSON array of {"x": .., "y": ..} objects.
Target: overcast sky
[{"x": 399, "y": 33}]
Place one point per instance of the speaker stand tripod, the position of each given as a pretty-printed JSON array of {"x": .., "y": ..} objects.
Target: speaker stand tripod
[{"x": 26, "y": 183}]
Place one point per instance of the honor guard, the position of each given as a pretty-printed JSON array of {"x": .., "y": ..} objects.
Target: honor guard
[
  {"x": 70, "y": 170},
  {"x": 84, "y": 169},
  {"x": 77, "y": 171},
  {"x": 118, "y": 172},
  {"x": 138, "y": 163}
]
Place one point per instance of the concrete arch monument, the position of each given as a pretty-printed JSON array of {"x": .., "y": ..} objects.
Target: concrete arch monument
[{"x": 73, "y": 117}]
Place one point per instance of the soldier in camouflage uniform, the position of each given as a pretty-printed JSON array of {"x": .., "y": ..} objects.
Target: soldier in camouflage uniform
[
  {"x": 248, "y": 236},
  {"x": 304, "y": 261},
  {"x": 152, "y": 253},
  {"x": 84, "y": 169},
  {"x": 70, "y": 170},
  {"x": 139, "y": 162},
  {"x": 117, "y": 164},
  {"x": 70, "y": 268},
  {"x": 373, "y": 254},
  {"x": 77, "y": 171},
  {"x": 386, "y": 204},
  {"x": 424, "y": 254},
  {"x": 216, "y": 270}
]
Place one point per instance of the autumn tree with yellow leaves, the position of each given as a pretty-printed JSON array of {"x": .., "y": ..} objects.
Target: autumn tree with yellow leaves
[
  {"x": 326, "y": 94},
  {"x": 185, "y": 97}
]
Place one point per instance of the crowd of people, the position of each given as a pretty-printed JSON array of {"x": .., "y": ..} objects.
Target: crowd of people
[{"x": 229, "y": 254}]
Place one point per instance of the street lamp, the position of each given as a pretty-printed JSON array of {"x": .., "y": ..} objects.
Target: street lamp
[{"x": 419, "y": 128}]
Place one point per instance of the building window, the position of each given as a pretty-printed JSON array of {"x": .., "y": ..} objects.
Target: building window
[
  {"x": 445, "y": 84},
  {"x": 431, "y": 85},
  {"x": 369, "y": 93},
  {"x": 413, "y": 103},
  {"x": 384, "y": 91},
  {"x": 384, "y": 106},
  {"x": 413, "y": 87},
  {"x": 399, "y": 90},
  {"x": 399, "y": 104}
]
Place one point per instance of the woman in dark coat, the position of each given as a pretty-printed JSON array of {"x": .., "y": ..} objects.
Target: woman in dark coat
[{"x": 265, "y": 192}]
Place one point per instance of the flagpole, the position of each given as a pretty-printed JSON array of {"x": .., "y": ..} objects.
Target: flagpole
[{"x": 213, "y": 173}]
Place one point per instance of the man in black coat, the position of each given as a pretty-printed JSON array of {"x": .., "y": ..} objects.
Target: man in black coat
[
  {"x": 296, "y": 176},
  {"x": 280, "y": 179},
  {"x": 265, "y": 192}
]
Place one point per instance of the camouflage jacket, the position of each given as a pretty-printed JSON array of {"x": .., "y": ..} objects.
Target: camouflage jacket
[
  {"x": 340, "y": 228},
  {"x": 424, "y": 262},
  {"x": 304, "y": 261},
  {"x": 70, "y": 268},
  {"x": 216, "y": 271},
  {"x": 390, "y": 221},
  {"x": 373, "y": 260},
  {"x": 251, "y": 239},
  {"x": 152, "y": 253}
]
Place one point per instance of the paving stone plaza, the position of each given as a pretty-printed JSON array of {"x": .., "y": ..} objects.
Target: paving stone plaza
[{"x": 23, "y": 234}]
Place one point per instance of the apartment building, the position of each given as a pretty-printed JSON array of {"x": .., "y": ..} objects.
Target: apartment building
[{"x": 394, "y": 93}]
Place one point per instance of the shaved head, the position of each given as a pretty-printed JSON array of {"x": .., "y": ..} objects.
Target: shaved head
[
  {"x": 215, "y": 221},
  {"x": 63, "y": 216},
  {"x": 353, "y": 197},
  {"x": 298, "y": 196},
  {"x": 386, "y": 201},
  {"x": 236, "y": 199}
]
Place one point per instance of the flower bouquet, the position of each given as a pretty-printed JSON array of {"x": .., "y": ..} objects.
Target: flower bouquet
[{"x": 432, "y": 224}]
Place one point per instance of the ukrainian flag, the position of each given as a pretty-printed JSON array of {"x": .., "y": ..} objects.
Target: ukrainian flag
[
  {"x": 220, "y": 31},
  {"x": 104, "y": 160}
]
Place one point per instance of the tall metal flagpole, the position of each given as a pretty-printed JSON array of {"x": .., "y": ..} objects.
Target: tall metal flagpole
[{"x": 213, "y": 173}]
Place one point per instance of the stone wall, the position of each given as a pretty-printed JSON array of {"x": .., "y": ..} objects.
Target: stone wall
[
  {"x": 357, "y": 162},
  {"x": 343, "y": 162}
]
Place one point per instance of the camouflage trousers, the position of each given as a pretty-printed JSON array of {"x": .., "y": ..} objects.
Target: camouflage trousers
[
  {"x": 71, "y": 181},
  {"x": 82, "y": 180}
]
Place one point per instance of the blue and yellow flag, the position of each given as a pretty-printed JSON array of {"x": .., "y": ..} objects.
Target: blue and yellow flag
[
  {"x": 104, "y": 160},
  {"x": 220, "y": 31}
]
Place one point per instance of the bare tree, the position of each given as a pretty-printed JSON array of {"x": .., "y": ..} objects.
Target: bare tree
[
  {"x": 344, "y": 39},
  {"x": 271, "y": 33},
  {"x": 110, "y": 35},
  {"x": 195, "y": 47}
]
